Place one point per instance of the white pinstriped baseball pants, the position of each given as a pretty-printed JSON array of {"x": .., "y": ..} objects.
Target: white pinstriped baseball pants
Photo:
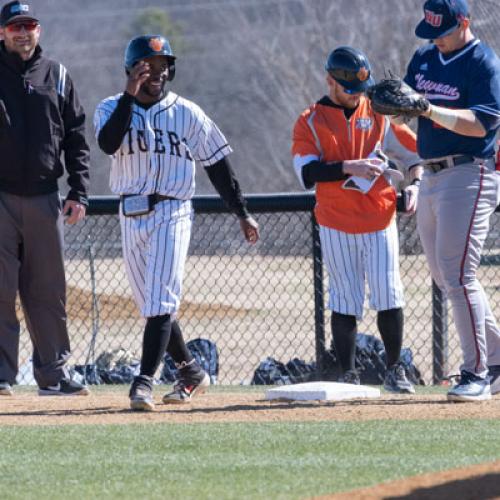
[
  {"x": 350, "y": 258},
  {"x": 155, "y": 248}
]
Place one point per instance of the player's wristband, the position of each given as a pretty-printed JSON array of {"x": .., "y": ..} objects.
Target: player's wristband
[{"x": 444, "y": 117}]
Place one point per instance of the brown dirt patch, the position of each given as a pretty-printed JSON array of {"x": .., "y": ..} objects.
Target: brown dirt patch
[
  {"x": 26, "y": 408},
  {"x": 467, "y": 483}
]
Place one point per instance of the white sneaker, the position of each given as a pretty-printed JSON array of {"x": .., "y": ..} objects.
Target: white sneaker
[
  {"x": 470, "y": 388},
  {"x": 5, "y": 388},
  {"x": 141, "y": 394},
  {"x": 185, "y": 390}
]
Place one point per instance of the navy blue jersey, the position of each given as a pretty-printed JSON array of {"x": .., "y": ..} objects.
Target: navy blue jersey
[{"x": 466, "y": 79}]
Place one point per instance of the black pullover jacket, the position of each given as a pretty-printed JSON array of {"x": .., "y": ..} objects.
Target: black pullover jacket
[{"x": 44, "y": 118}]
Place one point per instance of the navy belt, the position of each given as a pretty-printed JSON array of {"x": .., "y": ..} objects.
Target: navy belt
[{"x": 451, "y": 161}]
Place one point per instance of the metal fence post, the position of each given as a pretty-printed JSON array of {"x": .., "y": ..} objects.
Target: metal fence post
[
  {"x": 95, "y": 316},
  {"x": 319, "y": 311},
  {"x": 439, "y": 334}
]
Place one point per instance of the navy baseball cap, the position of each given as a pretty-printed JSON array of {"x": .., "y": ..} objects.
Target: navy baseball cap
[
  {"x": 441, "y": 17},
  {"x": 16, "y": 11}
]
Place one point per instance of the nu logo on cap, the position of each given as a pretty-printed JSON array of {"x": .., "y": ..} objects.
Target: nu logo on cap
[
  {"x": 18, "y": 8},
  {"x": 433, "y": 19}
]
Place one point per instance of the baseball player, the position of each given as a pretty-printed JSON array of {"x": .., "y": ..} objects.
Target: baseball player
[
  {"x": 154, "y": 137},
  {"x": 460, "y": 76},
  {"x": 338, "y": 147}
]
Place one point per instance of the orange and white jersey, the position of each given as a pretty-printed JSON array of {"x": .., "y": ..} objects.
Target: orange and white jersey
[{"x": 323, "y": 133}]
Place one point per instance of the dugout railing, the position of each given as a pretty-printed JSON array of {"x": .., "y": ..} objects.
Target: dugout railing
[{"x": 255, "y": 302}]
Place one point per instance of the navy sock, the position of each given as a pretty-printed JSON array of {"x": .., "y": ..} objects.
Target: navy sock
[
  {"x": 177, "y": 346},
  {"x": 344, "y": 329},
  {"x": 154, "y": 344},
  {"x": 390, "y": 326}
]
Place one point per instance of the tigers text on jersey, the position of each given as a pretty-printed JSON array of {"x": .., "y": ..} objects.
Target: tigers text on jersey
[
  {"x": 324, "y": 133},
  {"x": 158, "y": 153},
  {"x": 466, "y": 79}
]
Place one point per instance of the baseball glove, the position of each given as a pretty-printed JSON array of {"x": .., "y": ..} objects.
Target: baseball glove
[{"x": 392, "y": 96}]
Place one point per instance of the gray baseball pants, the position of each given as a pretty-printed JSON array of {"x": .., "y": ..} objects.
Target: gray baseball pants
[
  {"x": 32, "y": 262},
  {"x": 454, "y": 208}
]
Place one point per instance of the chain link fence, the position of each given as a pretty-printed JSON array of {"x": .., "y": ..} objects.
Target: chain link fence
[{"x": 254, "y": 302}]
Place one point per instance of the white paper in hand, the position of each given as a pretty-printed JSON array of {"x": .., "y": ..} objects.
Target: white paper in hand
[{"x": 359, "y": 183}]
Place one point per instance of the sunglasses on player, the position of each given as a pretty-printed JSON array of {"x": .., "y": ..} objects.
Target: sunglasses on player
[{"x": 18, "y": 27}]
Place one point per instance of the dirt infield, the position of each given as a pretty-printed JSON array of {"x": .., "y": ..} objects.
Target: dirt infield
[
  {"x": 467, "y": 483},
  {"x": 112, "y": 407}
]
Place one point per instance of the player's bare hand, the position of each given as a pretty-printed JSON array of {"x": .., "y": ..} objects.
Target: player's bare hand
[
  {"x": 250, "y": 229},
  {"x": 368, "y": 168},
  {"x": 411, "y": 197},
  {"x": 137, "y": 76},
  {"x": 73, "y": 211}
]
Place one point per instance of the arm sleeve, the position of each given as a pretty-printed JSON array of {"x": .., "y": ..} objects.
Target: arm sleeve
[
  {"x": 113, "y": 130},
  {"x": 400, "y": 143},
  {"x": 222, "y": 177},
  {"x": 318, "y": 171},
  {"x": 74, "y": 144}
]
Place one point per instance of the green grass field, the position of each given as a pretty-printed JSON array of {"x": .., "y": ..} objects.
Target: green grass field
[{"x": 254, "y": 461}]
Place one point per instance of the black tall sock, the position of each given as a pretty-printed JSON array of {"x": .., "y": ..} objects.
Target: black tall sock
[
  {"x": 177, "y": 347},
  {"x": 390, "y": 326},
  {"x": 344, "y": 331},
  {"x": 156, "y": 338}
]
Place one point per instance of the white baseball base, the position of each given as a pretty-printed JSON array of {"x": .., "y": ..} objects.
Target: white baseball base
[{"x": 322, "y": 391}]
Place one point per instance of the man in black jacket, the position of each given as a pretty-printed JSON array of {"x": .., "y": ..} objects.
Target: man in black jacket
[{"x": 40, "y": 117}]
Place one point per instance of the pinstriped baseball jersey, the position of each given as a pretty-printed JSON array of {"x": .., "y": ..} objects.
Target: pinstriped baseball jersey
[{"x": 157, "y": 155}]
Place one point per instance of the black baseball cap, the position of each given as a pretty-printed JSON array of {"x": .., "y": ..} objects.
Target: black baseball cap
[
  {"x": 441, "y": 17},
  {"x": 16, "y": 11}
]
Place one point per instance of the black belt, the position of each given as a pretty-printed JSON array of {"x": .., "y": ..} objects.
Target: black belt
[
  {"x": 153, "y": 198},
  {"x": 156, "y": 198},
  {"x": 436, "y": 166}
]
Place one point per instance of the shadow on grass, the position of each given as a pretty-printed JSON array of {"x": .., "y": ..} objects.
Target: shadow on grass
[
  {"x": 260, "y": 405},
  {"x": 67, "y": 413},
  {"x": 472, "y": 488},
  {"x": 294, "y": 405}
]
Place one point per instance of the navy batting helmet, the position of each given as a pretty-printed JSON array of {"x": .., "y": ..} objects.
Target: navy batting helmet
[
  {"x": 144, "y": 46},
  {"x": 351, "y": 68}
]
